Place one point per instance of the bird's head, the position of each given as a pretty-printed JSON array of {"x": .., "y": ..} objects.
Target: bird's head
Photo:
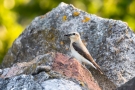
[{"x": 74, "y": 36}]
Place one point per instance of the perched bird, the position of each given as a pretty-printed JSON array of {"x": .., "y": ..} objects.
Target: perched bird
[{"x": 80, "y": 52}]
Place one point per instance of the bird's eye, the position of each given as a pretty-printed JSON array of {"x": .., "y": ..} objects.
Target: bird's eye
[{"x": 73, "y": 33}]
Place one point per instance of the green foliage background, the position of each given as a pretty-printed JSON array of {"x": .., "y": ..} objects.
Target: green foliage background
[{"x": 15, "y": 15}]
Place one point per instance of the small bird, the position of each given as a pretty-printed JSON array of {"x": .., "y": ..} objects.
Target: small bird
[{"x": 80, "y": 52}]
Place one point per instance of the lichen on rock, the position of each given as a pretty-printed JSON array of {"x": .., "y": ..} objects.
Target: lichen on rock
[{"x": 110, "y": 42}]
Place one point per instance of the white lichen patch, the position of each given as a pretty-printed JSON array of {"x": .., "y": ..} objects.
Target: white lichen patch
[{"x": 60, "y": 84}]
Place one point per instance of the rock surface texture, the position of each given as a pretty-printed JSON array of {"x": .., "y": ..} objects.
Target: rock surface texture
[
  {"x": 110, "y": 42},
  {"x": 51, "y": 71}
]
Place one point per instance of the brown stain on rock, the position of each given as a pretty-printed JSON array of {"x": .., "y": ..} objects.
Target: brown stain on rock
[{"x": 73, "y": 69}]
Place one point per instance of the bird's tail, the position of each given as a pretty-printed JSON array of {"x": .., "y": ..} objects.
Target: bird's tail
[
  {"x": 94, "y": 65},
  {"x": 98, "y": 68}
]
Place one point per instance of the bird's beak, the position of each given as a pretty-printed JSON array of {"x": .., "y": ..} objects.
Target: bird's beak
[{"x": 68, "y": 35}]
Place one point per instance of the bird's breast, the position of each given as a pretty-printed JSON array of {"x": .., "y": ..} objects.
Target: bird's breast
[{"x": 76, "y": 54}]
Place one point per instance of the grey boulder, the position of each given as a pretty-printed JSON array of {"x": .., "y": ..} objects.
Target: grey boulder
[{"x": 110, "y": 42}]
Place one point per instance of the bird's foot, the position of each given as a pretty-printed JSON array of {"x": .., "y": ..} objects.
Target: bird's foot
[{"x": 70, "y": 58}]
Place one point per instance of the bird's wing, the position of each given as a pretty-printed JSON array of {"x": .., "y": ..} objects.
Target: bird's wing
[{"x": 86, "y": 55}]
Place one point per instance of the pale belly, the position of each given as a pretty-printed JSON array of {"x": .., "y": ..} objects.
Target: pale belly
[
  {"x": 77, "y": 56},
  {"x": 80, "y": 58}
]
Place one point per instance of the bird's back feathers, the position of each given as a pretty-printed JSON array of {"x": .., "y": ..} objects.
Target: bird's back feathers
[{"x": 84, "y": 52}]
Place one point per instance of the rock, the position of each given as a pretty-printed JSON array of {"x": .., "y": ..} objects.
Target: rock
[
  {"x": 1, "y": 71},
  {"x": 110, "y": 42},
  {"x": 51, "y": 68},
  {"x": 130, "y": 85},
  {"x": 22, "y": 82},
  {"x": 27, "y": 82},
  {"x": 60, "y": 84},
  {"x": 73, "y": 69},
  {"x": 30, "y": 67}
]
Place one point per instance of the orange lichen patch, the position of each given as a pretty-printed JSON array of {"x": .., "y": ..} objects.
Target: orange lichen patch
[
  {"x": 67, "y": 48},
  {"x": 73, "y": 69},
  {"x": 64, "y": 18},
  {"x": 61, "y": 43},
  {"x": 76, "y": 13},
  {"x": 86, "y": 19},
  {"x": 82, "y": 84}
]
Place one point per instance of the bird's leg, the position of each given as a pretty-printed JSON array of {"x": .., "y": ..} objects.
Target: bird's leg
[
  {"x": 71, "y": 58},
  {"x": 83, "y": 64},
  {"x": 84, "y": 67}
]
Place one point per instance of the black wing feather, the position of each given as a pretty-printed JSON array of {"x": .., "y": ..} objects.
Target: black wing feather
[{"x": 78, "y": 49}]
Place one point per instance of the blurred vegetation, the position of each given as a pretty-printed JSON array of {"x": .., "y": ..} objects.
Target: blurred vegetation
[{"x": 15, "y": 15}]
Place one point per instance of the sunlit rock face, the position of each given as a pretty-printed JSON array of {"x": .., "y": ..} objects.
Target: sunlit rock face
[
  {"x": 110, "y": 42},
  {"x": 51, "y": 71}
]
